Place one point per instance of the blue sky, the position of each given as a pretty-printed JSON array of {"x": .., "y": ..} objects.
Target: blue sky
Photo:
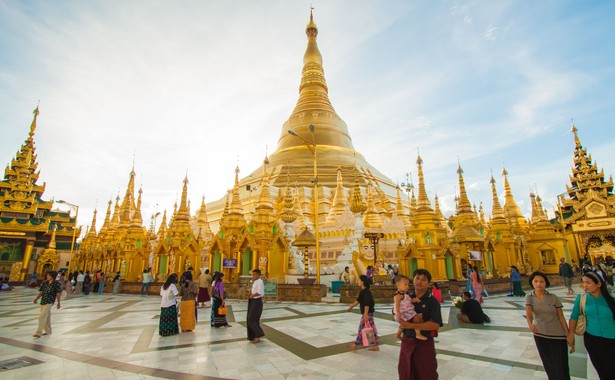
[{"x": 199, "y": 86}]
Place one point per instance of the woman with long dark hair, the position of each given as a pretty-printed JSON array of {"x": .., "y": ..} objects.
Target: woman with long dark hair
[
  {"x": 187, "y": 308},
  {"x": 477, "y": 284},
  {"x": 546, "y": 321},
  {"x": 168, "y": 307},
  {"x": 218, "y": 300},
  {"x": 366, "y": 302},
  {"x": 599, "y": 337}
]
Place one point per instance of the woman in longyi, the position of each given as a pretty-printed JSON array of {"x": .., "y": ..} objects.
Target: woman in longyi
[{"x": 187, "y": 307}]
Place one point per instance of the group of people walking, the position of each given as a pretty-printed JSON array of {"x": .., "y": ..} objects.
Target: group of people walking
[{"x": 192, "y": 293}]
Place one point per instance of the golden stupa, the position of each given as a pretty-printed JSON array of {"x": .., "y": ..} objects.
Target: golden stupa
[{"x": 317, "y": 124}]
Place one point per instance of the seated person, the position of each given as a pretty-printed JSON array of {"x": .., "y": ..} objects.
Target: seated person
[{"x": 471, "y": 311}]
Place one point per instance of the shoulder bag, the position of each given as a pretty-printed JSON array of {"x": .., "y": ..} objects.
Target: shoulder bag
[{"x": 582, "y": 321}]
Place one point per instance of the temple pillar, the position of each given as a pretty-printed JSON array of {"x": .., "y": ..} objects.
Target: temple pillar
[{"x": 27, "y": 256}]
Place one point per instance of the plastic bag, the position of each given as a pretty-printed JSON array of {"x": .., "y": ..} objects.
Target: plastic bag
[{"x": 368, "y": 336}]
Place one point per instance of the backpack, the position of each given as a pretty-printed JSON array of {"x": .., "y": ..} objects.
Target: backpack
[{"x": 87, "y": 279}]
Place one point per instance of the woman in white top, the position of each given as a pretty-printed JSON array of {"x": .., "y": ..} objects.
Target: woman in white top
[{"x": 168, "y": 307}]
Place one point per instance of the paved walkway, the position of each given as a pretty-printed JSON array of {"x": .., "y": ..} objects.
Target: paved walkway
[{"x": 116, "y": 336}]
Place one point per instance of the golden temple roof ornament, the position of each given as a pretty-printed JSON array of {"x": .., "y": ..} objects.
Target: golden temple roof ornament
[
  {"x": 496, "y": 211},
  {"x": 371, "y": 217},
  {"x": 339, "y": 203},
  {"x": 288, "y": 214},
  {"x": 357, "y": 205},
  {"x": 183, "y": 213},
  {"x": 423, "y": 204},
  {"x": 463, "y": 203},
  {"x": 511, "y": 210},
  {"x": 92, "y": 232}
]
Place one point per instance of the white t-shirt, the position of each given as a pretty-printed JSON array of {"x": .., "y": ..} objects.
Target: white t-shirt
[
  {"x": 166, "y": 302},
  {"x": 80, "y": 277},
  {"x": 258, "y": 287}
]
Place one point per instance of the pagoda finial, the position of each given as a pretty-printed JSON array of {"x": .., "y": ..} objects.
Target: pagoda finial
[
  {"x": 311, "y": 26},
  {"x": 437, "y": 209},
  {"x": 288, "y": 211},
  {"x": 463, "y": 204},
  {"x": 339, "y": 204},
  {"x": 423, "y": 201},
  {"x": 235, "y": 206},
  {"x": 183, "y": 213},
  {"x": 92, "y": 231},
  {"x": 511, "y": 210},
  {"x": 574, "y": 130},
  {"x": 33, "y": 125},
  {"x": 496, "y": 211}
]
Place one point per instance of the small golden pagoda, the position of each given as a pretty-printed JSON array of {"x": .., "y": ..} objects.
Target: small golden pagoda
[
  {"x": 545, "y": 245},
  {"x": 178, "y": 246},
  {"x": 123, "y": 244},
  {"x": 428, "y": 240},
  {"x": 28, "y": 224},
  {"x": 587, "y": 210}
]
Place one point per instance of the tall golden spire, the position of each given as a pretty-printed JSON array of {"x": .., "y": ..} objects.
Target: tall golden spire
[
  {"x": 137, "y": 218},
  {"x": 202, "y": 221},
  {"x": 105, "y": 226},
  {"x": 339, "y": 203},
  {"x": 183, "y": 213},
  {"x": 92, "y": 232},
  {"x": 264, "y": 199},
  {"x": 163, "y": 226},
  {"x": 542, "y": 215},
  {"x": 127, "y": 206},
  {"x": 463, "y": 203},
  {"x": 586, "y": 177},
  {"x": 314, "y": 106},
  {"x": 496, "y": 211},
  {"x": 437, "y": 210},
  {"x": 19, "y": 193},
  {"x": 115, "y": 220},
  {"x": 511, "y": 210},
  {"x": 236, "y": 207},
  {"x": 423, "y": 204},
  {"x": 577, "y": 141}
]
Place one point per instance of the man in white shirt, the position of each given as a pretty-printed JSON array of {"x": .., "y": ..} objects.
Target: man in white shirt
[
  {"x": 80, "y": 278},
  {"x": 255, "y": 308}
]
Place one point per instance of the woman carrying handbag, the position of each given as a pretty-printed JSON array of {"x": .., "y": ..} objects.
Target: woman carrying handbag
[
  {"x": 367, "y": 335},
  {"x": 218, "y": 319},
  {"x": 597, "y": 309}
]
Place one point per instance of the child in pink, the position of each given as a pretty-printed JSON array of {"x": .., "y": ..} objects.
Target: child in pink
[{"x": 403, "y": 308}]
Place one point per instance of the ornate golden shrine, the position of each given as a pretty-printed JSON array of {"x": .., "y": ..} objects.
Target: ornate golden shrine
[{"x": 28, "y": 224}]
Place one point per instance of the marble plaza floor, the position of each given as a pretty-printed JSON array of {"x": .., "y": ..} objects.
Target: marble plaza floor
[{"x": 116, "y": 336}]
